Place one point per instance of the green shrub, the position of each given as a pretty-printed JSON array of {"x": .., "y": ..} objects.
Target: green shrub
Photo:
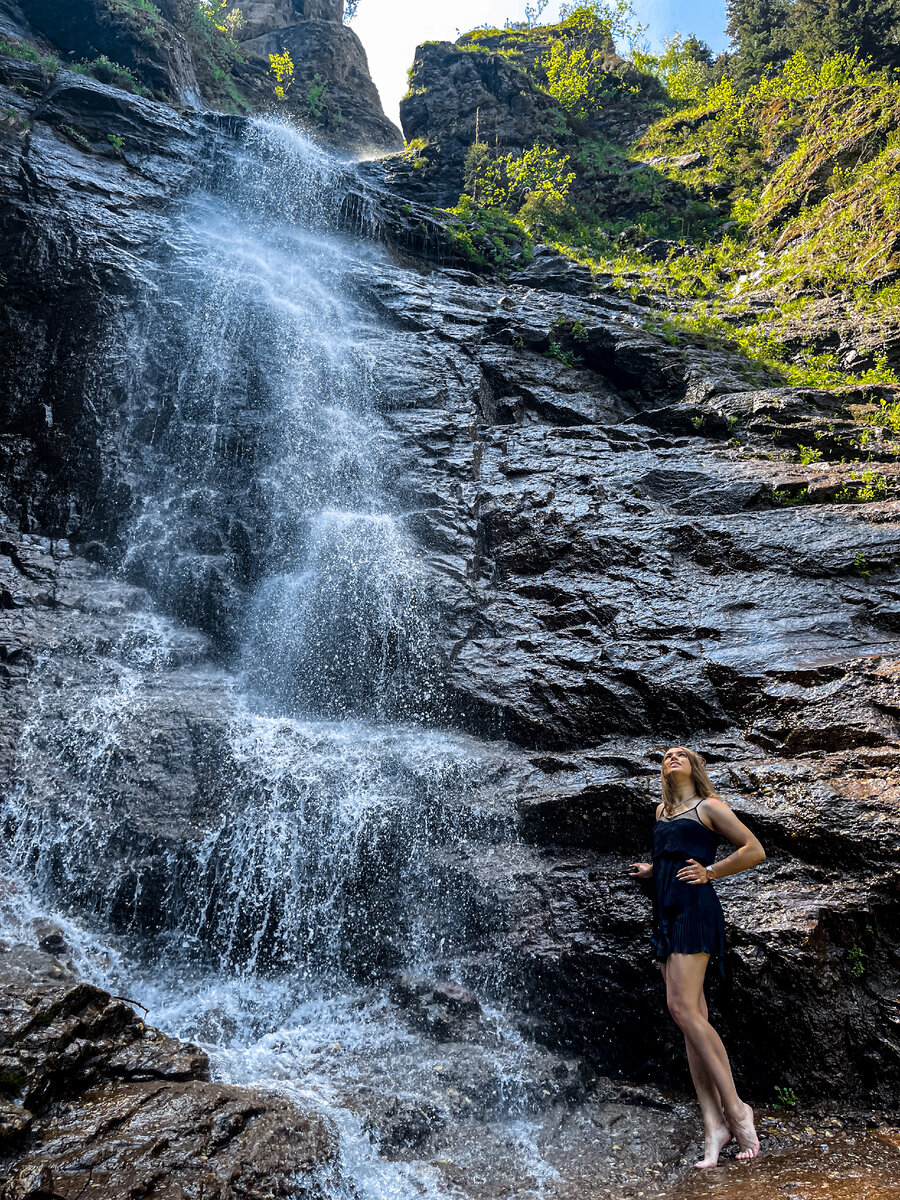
[
  {"x": 107, "y": 71},
  {"x": 488, "y": 236},
  {"x": 788, "y": 499},
  {"x": 566, "y": 357},
  {"x": 577, "y": 78},
  {"x": 506, "y": 181},
  {"x": 216, "y": 55},
  {"x": 785, "y": 1098},
  {"x": 685, "y": 68},
  {"x": 28, "y": 53},
  {"x": 870, "y": 487},
  {"x": 887, "y": 416},
  {"x": 314, "y": 96},
  {"x": 856, "y": 957}
]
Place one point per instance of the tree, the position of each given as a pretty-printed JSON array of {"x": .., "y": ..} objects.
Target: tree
[
  {"x": 766, "y": 33},
  {"x": 576, "y": 77},
  {"x": 534, "y": 12},
  {"x": 822, "y": 27},
  {"x": 686, "y": 68},
  {"x": 759, "y": 33},
  {"x": 613, "y": 22}
]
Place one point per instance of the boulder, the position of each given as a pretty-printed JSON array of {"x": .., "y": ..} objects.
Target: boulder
[
  {"x": 173, "y": 1140},
  {"x": 77, "y": 1064},
  {"x": 443, "y": 1008},
  {"x": 328, "y": 55},
  {"x": 454, "y": 92}
]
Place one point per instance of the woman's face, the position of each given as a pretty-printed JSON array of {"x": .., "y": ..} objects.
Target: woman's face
[{"x": 676, "y": 765}]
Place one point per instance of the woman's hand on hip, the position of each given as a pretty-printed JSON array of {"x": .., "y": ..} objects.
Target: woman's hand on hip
[
  {"x": 641, "y": 871},
  {"x": 693, "y": 872}
]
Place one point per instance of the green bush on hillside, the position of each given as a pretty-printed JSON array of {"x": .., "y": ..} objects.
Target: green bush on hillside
[{"x": 788, "y": 188}]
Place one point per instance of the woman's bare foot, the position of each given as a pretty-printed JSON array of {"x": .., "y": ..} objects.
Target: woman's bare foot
[
  {"x": 714, "y": 1144},
  {"x": 745, "y": 1132}
]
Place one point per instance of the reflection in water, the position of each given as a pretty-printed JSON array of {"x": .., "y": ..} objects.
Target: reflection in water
[{"x": 806, "y": 1164}]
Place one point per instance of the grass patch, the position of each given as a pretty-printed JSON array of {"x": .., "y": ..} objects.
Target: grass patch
[
  {"x": 25, "y": 52},
  {"x": 488, "y": 236},
  {"x": 105, "y": 70}
]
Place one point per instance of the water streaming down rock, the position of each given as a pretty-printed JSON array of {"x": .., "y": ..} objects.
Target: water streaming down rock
[
  {"x": 301, "y": 847},
  {"x": 261, "y": 508},
  {"x": 261, "y": 454}
]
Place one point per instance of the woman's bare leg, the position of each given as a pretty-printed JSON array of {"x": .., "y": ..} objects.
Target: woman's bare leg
[
  {"x": 716, "y": 1133},
  {"x": 684, "y": 993}
]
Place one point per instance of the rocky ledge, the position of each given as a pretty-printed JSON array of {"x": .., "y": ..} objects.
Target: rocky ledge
[{"x": 92, "y": 1098}]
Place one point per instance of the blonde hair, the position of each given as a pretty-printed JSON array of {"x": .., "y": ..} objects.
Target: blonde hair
[{"x": 702, "y": 782}]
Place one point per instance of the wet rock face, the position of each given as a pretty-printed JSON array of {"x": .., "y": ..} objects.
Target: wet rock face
[
  {"x": 13, "y": 22},
  {"x": 76, "y": 1063},
  {"x": 603, "y": 517},
  {"x": 620, "y": 574},
  {"x": 89, "y": 175},
  {"x": 69, "y": 283},
  {"x": 443, "y": 1008},
  {"x": 61, "y": 1034}
]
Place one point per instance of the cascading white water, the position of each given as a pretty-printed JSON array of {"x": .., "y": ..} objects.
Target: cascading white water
[{"x": 263, "y": 906}]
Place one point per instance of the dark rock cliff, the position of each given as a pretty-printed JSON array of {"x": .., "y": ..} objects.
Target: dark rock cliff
[
  {"x": 331, "y": 53},
  {"x": 604, "y": 516},
  {"x": 176, "y": 53},
  {"x": 491, "y": 86},
  {"x": 453, "y": 93},
  {"x": 324, "y": 51}
]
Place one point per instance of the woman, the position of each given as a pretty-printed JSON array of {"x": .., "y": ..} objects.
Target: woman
[{"x": 690, "y": 929}]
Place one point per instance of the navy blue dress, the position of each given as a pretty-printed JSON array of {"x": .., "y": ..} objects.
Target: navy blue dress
[{"x": 688, "y": 916}]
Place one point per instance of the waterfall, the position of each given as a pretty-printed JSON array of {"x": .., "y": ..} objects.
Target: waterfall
[{"x": 258, "y": 891}]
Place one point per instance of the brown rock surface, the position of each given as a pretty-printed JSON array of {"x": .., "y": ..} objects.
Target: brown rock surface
[{"x": 173, "y": 1140}]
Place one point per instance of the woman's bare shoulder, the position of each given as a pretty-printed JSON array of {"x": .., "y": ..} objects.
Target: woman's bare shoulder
[
  {"x": 715, "y": 804},
  {"x": 717, "y": 813},
  {"x": 711, "y": 810}
]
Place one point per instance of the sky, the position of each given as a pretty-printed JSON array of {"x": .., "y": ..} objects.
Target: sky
[{"x": 390, "y": 30}]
